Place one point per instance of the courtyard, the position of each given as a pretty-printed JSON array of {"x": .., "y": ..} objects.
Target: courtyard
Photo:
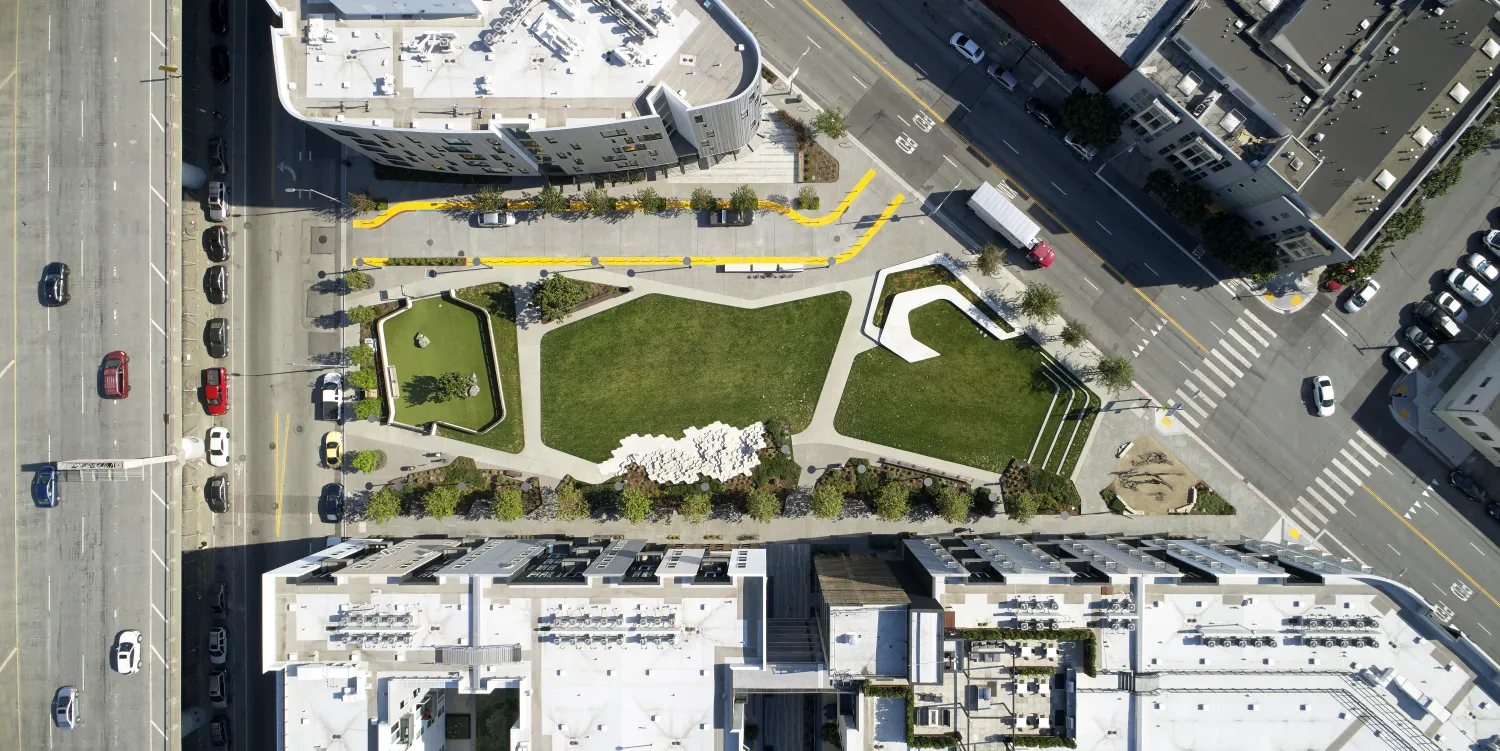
[{"x": 457, "y": 343}]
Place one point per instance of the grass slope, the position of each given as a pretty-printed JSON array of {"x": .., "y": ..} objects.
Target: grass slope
[{"x": 509, "y": 435}]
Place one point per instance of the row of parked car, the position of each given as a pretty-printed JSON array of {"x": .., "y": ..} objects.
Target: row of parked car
[
  {"x": 1440, "y": 315},
  {"x": 1045, "y": 113}
]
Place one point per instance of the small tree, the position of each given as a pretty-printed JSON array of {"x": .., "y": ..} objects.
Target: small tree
[
  {"x": 827, "y": 501},
  {"x": 358, "y": 281},
  {"x": 1441, "y": 180},
  {"x": 364, "y": 378},
  {"x": 894, "y": 502},
  {"x": 361, "y": 202},
  {"x": 368, "y": 461},
  {"x": 571, "y": 505},
  {"x": 488, "y": 199},
  {"x": 598, "y": 201},
  {"x": 762, "y": 505},
  {"x": 360, "y": 354},
  {"x": 1022, "y": 506},
  {"x": 1115, "y": 372},
  {"x": 807, "y": 199},
  {"x": 364, "y": 409},
  {"x": 954, "y": 504},
  {"x": 831, "y": 123},
  {"x": 703, "y": 199},
  {"x": 361, "y": 314},
  {"x": 635, "y": 504},
  {"x": 384, "y": 505},
  {"x": 1075, "y": 333},
  {"x": 650, "y": 201},
  {"x": 508, "y": 504},
  {"x": 1403, "y": 223},
  {"x": 451, "y": 386},
  {"x": 441, "y": 501},
  {"x": 1189, "y": 203},
  {"x": 990, "y": 259},
  {"x": 744, "y": 199},
  {"x": 550, "y": 201},
  {"x": 557, "y": 296},
  {"x": 1040, "y": 303},
  {"x": 696, "y": 506},
  {"x": 1093, "y": 118},
  {"x": 1161, "y": 182}
]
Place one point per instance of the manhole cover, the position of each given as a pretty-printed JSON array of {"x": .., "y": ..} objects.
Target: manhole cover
[
  {"x": 299, "y": 430},
  {"x": 835, "y": 238},
  {"x": 273, "y": 445},
  {"x": 322, "y": 239},
  {"x": 429, "y": 243},
  {"x": 255, "y": 532}
]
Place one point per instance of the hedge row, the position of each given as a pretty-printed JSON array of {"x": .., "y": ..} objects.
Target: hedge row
[
  {"x": 1035, "y": 670},
  {"x": 1043, "y": 741},
  {"x": 1090, "y": 647},
  {"x": 947, "y": 740},
  {"x": 409, "y": 261}
]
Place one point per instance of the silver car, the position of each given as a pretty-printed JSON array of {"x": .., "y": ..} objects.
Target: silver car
[
  {"x": 65, "y": 708},
  {"x": 218, "y": 201},
  {"x": 218, "y": 645},
  {"x": 1361, "y": 296}
]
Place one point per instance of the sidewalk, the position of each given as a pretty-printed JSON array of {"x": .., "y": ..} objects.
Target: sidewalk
[
  {"x": 1415, "y": 394},
  {"x": 1288, "y": 292}
]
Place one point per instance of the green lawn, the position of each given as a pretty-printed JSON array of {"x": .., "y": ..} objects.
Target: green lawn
[
  {"x": 929, "y": 276},
  {"x": 663, "y": 364},
  {"x": 501, "y": 303},
  {"x": 979, "y": 403},
  {"x": 457, "y": 344}
]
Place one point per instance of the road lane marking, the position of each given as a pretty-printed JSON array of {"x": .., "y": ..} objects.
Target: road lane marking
[
  {"x": 158, "y": 559},
  {"x": 1189, "y": 401},
  {"x": 7, "y": 368},
  {"x": 1008, "y": 146},
  {"x": 1352, "y": 477},
  {"x": 158, "y": 195},
  {"x": 154, "y": 37},
  {"x": 1253, "y": 333},
  {"x": 1302, "y": 518},
  {"x": 1059, "y": 188},
  {"x": 157, "y": 729},
  {"x": 1227, "y": 380},
  {"x": 950, "y": 161},
  {"x": 1231, "y": 350},
  {"x": 8, "y": 658},
  {"x": 157, "y": 270},
  {"x": 1435, "y": 548},
  {"x": 1236, "y": 334},
  {"x": 6, "y": 81},
  {"x": 158, "y": 655},
  {"x": 1335, "y": 326},
  {"x": 158, "y": 498},
  {"x": 1481, "y": 625},
  {"x": 1393, "y": 548},
  {"x": 1259, "y": 323},
  {"x": 1236, "y": 371},
  {"x": 856, "y": 80},
  {"x": 158, "y": 327},
  {"x": 1215, "y": 325},
  {"x": 814, "y": 42},
  {"x": 1336, "y": 481},
  {"x": 1355, "y": 445},
  {"x": 1101, "y": 226},
  {"x": 159, "y": 126},
  {"x": 1184, "y": 415},
  {"x": 158, "y": 612},
  {"x": 1309, "y": 507},
  {"x": 1091, "y": 284},
  {"x": 1214, "y": 387},
  {"x": 1472, "y": 545},
  {"x": 1352, "y": 461},
  {"x": 1371, "y": 441},
  {"x": 1320, "y": 499},
  {"x": 1198, "y": 393}
]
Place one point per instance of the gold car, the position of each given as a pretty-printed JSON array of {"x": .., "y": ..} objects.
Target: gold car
[{"x": 333, "y": 449}]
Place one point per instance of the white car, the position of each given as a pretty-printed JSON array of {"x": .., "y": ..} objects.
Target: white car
[
  {"x": 1323, "y": 395},
  {"x": 128, "y": 652},
  {"x": 1466, "y": 286},
  {"x": 1361, "y": 296},
  {"x": 1492, "y": 239},
  {"x": 1404, "y": 359},
  {"x": 218, "y": 446},
  {"x": 1452, "y": 306},
  {"x": 1482, "y": 267},
  {"x": 218, "y": 645},
  {"x": 966, "y": 47}
]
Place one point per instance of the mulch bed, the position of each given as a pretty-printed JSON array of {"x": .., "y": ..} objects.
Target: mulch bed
[
  {"x": 482, "y": 484},
  {"x": 819, "y": 166}
]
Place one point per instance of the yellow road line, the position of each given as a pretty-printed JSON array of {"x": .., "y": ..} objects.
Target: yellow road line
[
  {"x": 993, "y": 166},
  {"x": 280, "y": 459},
  {"x": 1435, "y": 549},
  {"x": 869, "y": 234}
]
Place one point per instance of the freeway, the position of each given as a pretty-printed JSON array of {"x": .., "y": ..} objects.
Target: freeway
[
  {"x": 1356, "y": 482},
  {"x": 84, "y": 148}
]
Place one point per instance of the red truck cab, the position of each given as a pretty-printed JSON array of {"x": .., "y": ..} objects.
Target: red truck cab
[{"x": 1042, "y": 254}]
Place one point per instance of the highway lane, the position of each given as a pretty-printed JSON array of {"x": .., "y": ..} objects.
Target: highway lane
[
  {"x": 83, "y": 140},
  {"x": 1241, "y": 370}
]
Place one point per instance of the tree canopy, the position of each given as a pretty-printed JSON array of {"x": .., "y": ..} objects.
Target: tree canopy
[{"x": 1093, "y": 118}]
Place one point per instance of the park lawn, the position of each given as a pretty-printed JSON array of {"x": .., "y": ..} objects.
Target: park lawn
[
  {"x": 661, "y": 364},
  {"x": 978, "y": 403},
  {"x": 509, "y": 435},
  {"x": 929, "y": 276},
  {"x": 457, "y": 344}
]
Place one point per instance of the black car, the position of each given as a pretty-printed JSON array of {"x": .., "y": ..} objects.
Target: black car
[
  {"x": 218, "y": 16},
  {"x": 218, "y": 598},
  {"x": 1043, "y": 112},
  {"x": 216, "y": 493},
  {"x": 216, "y": 242},
  {"x": 218, "y": 732},
  {"x": 331, "y": 503},
  {"x": 1466, "y": 485},
  {"x": 55, "y": 283},
  {"x": 1436, "y": 321},
  {"x": 216, "y": 160},
  {"x": 216, "y": 337},
  {"x": 1494, "y": 511},
  {"x": 1421, "y": 340},
  {"x": 216, "y": 284},
  {"x": 730, "y": 218},
  {"x": 219, "y": 61}
]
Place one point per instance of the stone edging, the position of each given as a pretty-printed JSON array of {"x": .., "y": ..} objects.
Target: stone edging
[{"x": 406, "y": 304}]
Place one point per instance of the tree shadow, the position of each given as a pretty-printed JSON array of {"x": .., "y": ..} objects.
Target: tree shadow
[
  {"x": 332, "y": 359},
  {"x": 420, "y": 389},
  {"x": 334, "y": 320}
]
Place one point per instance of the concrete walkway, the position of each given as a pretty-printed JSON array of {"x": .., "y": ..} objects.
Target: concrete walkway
[{"x": 1288, "y": 292}]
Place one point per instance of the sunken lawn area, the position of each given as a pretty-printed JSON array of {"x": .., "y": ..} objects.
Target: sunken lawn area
[{"x": 457, "y": 344}]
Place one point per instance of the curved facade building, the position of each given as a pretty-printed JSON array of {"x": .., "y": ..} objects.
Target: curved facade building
[{"x": 550, "y": 87}]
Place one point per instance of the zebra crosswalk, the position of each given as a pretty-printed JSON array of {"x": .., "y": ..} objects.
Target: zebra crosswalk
[
  {"x": 1225, "y": 366},
  {"x": 1313, "y": 508}
]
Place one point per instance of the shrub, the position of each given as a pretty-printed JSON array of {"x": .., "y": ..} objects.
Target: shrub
[
  {"x": 831, "y": 123},
  {"x": 557, "y": 296},
  {"x": 762, "y": 505},
  {"x": 571, "y": 505},
  {"x": 829, "y": 735},
  {"x": 1054, "y": 493},
  {"x": 827, "y": 501},
  {"x": 1161, "y": 182},
  {"x": 954, "y": 504},
  {"x": 778, "y": 467},
  {"x": 462, "y": 470},
  {"x": 364, "y": 409},
  {"x": 696, "y": 506},
  {"x": 1404, "y": 223},
  {"x": 769, "y": 77},
  {"x": 361, "y": 314},
  {"x": 1093, "y": 118},
  {"x": 364, "y": 378},
  {"x": 744, "y": 199},
  {"x": 356, "y": 281},
  {"x": 1040, "y": 303},
  {"x": 361, "y": 354},
  {"x": 807, "y": 199},
  {"x": 894, "y": 501},
  {"x": 550, "y": 201},
  {"x": 598, "y": 201},
  {"x": 1189, "y": 203},
  {"x": 508, "y": 505},
  {"x": 426, "y": 261},
  {"x": 990, "y": 259},
  {"x": 1022, "y": 506},
  {"x": 1363, "y": 267},
  {"x": 1441, "y": 180},
  {"x": 800, "y": 129},
  {"x": 1115, "y": 372},
  {"x": 703, "y": 199},
  {"x": 1112, "y": 500},
  {"x": 1475, "y": 138},
  {"x": 635, "y": 504},
  {"x": 361, "y": 202},
  {"x": 865, "y": 482},
  {"x": 441, "y": 501},
  {"x": 1211, "y": 503},
  {"x": 650, "y": 201},
  {"x": 368, "y": 461},
  {"x": 1075, "y": 333},
  {"x": 384, "y": 505},
  {"x": 451, "y": 386},
  {"x": 488, "y": 199}
]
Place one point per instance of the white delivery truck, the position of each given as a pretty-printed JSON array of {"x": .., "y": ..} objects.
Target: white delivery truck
[{"x": 995, "y": 208}]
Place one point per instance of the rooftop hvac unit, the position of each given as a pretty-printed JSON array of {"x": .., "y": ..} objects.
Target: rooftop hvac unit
[
  {"x": 1130, "y": 625},
  {"x": 1209, "y": 641}
]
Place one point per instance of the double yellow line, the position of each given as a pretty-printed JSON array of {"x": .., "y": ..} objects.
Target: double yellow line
[
  {"x": 279, "y": 435},
  {"x": 1435, "y": 549}
]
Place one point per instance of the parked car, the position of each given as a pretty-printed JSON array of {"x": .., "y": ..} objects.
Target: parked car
[
  {"x": 218, "y": 16},
  {"x": 216, "y": 284},
  {"x": 216, "y": 390},
  {"x": 333, "y": 449},
  {"x": 331, "y": 503},
  {"x": 218, "y": 645},
  {"x": 495, "y": 219},
  {"x": 1362, "y": 296},
  {"x": 216, "y": 161},
  {"x": 730, "y": 218},
  {"x": 1421, "y": 341},
  {"x": 1043, "y": 112},
  {"x": 1436, "y": 321},
  {"x": 1466, "y": 485},
  {"x": 216, "y": 493},
  {"x": 1404, "y": 359},
  {"x": 966, "y": 47},
  {"x": 218, "y": 689},
  {"x": 218, "y": 446},
  {"x": 1005, "y": 78},
  {"x": 1451, "y": 306},
  {"x": 1466, "y": 286},
  {"x": 216, "y": 337},
  {"x": 218, "y": 598},
  {"x": 128, "y": 652},
  {"x": 1083, "y": 150},
  {"x": 216, "y": 243},
  {"x": 116, "y": 372},
  {"x": 44, "y": 486},
  {"x": 1493, "y": 510},
  {"x": 55, "y": 284},
  {"x": 65, "y": 708},
  {"x": 1323, "y": 395},
  {"x": 219, "y": 62},
  {"x": 218, "y": 732},
  {"x": 1492, "y": 240},
  {"x": 218, "y": 201},
  {"x": 1482, "y": 267}
]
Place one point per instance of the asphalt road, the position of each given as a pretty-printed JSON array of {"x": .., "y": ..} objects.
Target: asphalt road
[
  {"x": 82, "y": 143},
  {"x": 1241, "y": 370}
]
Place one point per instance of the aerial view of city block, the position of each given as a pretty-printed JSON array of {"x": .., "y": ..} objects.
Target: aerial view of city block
[{"x": 751, "y": 375}]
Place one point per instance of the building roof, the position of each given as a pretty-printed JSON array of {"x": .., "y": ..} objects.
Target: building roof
[
  {"x": 1128, "y": 27},
  {"x": 1064, "y": 37},
  {"x": 1218, "y": 32},
  {"x": 854, "y": 580}
]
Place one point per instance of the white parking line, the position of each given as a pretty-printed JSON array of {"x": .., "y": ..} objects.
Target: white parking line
[
  {"x": 158, "y": 559},
  {"x": 1306, "y": 522},
  {"x": 1324, "y": 484},
  {"x": 1101, "y": 226},
  {"x": 950, "y": 161},
  {"x": 1339, "y": 481},
  {"x": 155, "y": 193},
  {"x": 1233, "y": 351},
  {"x": 1352, "y": 461},
  {"x": 1472, "y": 545},
  {"x": 1199, "y": 393},
  {"x": 1147, "y": 265},
  {"x": 1319, "y": 498},
  {"x": 1321, "y": 518},
  {"x": 872, "y": 28},
  {"x": 919, "y": 70},
  {"x": 1008, "y": 146},
  {"x": 157, "y": 612},
  {"x": 1267, "y": 329},
  {"x": 1370, "y": 441},
  {"x": 1189, "y": 401},
  {"x": 1335, "y": 326},
  {"x": 1091, "y": 284},
  {"x": 1214, "y": 387},
  {"x": 1237, "y": 372},
  {"x": 1252, "y": 332},
  {"x": 856, "y": 80},
  {"x": 1060, "y": 190},
  {"x": 1236, "y": 334}
]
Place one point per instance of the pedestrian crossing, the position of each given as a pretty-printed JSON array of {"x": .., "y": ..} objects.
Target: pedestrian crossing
[
  {"x": 1226, "y": 365},
  {"x": 1313, "y": 508}
]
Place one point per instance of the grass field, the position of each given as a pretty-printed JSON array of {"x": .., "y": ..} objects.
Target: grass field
[
  {"x": 979, "y": 403},
  {"x": 501, "y": 303},
  {"x": 457, "y": 345},
  {"x": 660, "y": 365}
]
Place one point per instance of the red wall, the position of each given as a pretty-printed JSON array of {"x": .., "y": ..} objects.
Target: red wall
[{"x": 1064, "y": 38}]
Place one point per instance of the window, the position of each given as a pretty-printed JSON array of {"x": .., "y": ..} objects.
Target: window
[
  {"x": 628, "y": 139},
  {"x": 632, "y": 148},
  {"x": 697, "y": 118},
  {"x": 651, "y": 137},
  {"x": 1483, "y": 436},
  {"x": 1485, "y": 382},
  {"x": 1300, "y": 247},
  {"x": 1154, "y": 118},
  {"x": 710, "y": 134},
  {"x": 472, "y": 157},
  {"x": 456, "y": 141},
  {"x": 494, "y": 171},
  {"x": 348, "y": 133},
  {"x": 1467, "y": 402},
  {"x": 1196, "y": 154},
  {"x": 578, "y": 161},
  {"x": 550, "y": 139},
  {"x": 575, "y": 147}
]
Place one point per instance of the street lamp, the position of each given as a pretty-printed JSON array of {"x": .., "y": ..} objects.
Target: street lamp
[
  {"x": 315, "y": 192},
  {"x": 951, "y": 191},
  {"x": 1111, "y": 159},
  {"x": 795, "y": 68}
]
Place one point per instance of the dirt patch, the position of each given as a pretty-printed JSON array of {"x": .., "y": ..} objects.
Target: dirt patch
[{"x": 1150, "y": 480}]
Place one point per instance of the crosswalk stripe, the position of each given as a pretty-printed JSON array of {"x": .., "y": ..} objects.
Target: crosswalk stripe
[
  {"x": 1303, "y": 518},
  {"x": 1237, "y": 372},
  {"x": 1267, "y": 329},
  {"x": 1189, "y": 401},
  {"x": 1371, "y": 441},
  {"x": 1217, "y": 372},
  {"x": 1352, "y": 461},
  {"x": 1313, "y": 511},
  {"x": 1361, "y": 449},
  {"x": 1233, "y": 351},
  {"x": 1339, "y": 481},
  {"x": 1184, "y": 415},
  {"x": 1352, "y": 477},
  {"x": 1200, "y": 394},
  {"x": 1319, "y": 498},
  {"x": 1251, "y": 330},
  {"x": 1234, "y": 332},
  {"x": 1331, "y": 492}
]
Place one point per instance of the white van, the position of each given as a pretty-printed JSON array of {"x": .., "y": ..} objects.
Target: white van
[{"x": 1082, "y": 149}]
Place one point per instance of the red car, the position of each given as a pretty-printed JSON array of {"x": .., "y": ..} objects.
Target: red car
[
  {"x": 116, "y": 375},
  {"x": 216, "y": 390}
]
